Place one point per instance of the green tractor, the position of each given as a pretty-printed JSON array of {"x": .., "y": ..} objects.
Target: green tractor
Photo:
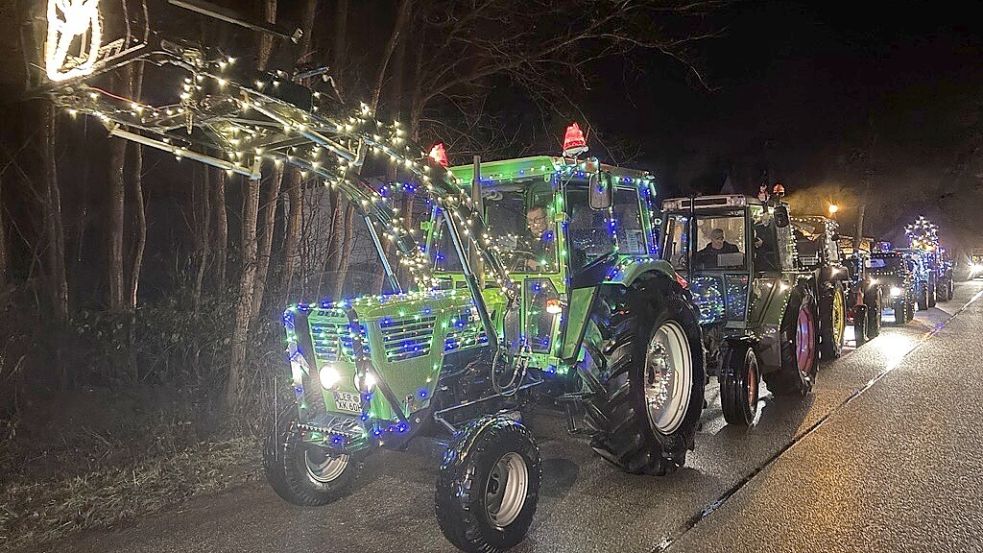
[
  {"x": 841, "y": 295},
  {"x": 559, "y": 297},
  {"x": 758, "y": 307},
  {"x": 536, "y": 279}
]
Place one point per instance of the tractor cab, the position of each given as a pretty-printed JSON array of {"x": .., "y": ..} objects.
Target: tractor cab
[
  {"x": 548, "y": 219},
  {"x": 728, "y": 248}
]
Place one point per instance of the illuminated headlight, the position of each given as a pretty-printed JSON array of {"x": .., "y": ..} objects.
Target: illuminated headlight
[
  {"x": 895, "y": 291},
  {"x": 873, "y": 282},
  {"x": 367, "y": 384},
  {"x": 329, "y": 376},
  {"x": 976, "y": 268}
]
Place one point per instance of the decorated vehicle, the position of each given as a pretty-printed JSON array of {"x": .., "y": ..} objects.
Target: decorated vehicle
[
  {"x": 924, "y": 243},
  {"x": 924, "y": 275},
  {"x": 975, "y": 264},
  {"x": 535, "y": 279},
  {"x": 816, "y": 242},
  {"x": 758, "y": 307},
  {"x": 895, "y": 273}
]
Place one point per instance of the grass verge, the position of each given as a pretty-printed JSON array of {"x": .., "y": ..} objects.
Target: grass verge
[{"x": 33, "y": 513}]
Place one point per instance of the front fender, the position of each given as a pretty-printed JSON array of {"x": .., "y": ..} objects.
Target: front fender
[{"x": 624, "y": 270}]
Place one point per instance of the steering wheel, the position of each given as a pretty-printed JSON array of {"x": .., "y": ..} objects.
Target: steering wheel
[{"x": 519, "y": 259}]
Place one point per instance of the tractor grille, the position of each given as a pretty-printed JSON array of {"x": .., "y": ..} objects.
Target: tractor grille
[
  {"x": 408, "y": 337},
  {"x": 466, "y": 331},
  {"x": 332, "y": 340}
]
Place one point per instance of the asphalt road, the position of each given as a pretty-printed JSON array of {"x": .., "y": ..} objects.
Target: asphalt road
[{"x": 885, "y": 455}]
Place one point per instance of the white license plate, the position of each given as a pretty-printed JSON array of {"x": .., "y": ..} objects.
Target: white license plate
[{"x": 347, "y": 401}]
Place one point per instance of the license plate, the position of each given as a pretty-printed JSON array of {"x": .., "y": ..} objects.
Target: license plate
[{"x": 347, "y": 401}]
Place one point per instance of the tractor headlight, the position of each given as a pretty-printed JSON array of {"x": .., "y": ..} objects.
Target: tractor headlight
[
  {"x": 329, "y": 376},
  {"x": 895, "y": 291}
]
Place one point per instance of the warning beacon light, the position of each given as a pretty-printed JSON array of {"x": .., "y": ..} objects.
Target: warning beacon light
[
  {"x": 574, "y": 143},
  {"x": 438, "y": 154}
]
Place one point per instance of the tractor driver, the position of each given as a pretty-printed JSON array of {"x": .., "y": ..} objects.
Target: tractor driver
[
  {"x": 540, "y": 239},
  {"x": 707, "y": 257}
]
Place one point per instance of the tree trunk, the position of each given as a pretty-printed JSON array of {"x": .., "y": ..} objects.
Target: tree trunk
[
  {"x": 114, "y": 251},
  {"x": 54, "y": 227},
  {"x": 236, "y": 386},
  {"x": 291, "y": 247},
  {"x": 136, "y": 199},
  {"x": 339, "y": 51},
  {"x": 235, "y": 391},
  {"x": 267, "y": 218},
  {"x": 347, "y": 243},
  {"x": 203, "y": 240},
  {"x": 220, "y": 245}
]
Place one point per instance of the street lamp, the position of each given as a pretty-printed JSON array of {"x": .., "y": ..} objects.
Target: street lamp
[{"x": 833, "y": 208}]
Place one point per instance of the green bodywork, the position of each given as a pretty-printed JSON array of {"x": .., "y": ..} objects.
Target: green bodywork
[{"x": 410, "y": 339}]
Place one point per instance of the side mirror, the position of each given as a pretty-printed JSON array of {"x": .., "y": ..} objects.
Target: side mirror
[
  {"x": 600, "y": 192},
  {"x": 781, "y": 217}
]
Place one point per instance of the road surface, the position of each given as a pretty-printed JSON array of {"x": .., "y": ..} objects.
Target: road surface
[{"x": 885, "y": 455}]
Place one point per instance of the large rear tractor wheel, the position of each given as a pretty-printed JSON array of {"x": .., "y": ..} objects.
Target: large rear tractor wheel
[
  {"x": 873, "y": 304},
  {"x": 739, "y": 382},
  {"x": 488, "y": 486},
  {"x": 644, "y": 375},
  {"x": 800, "y": 343},
  {"x": 305, "y": 474},
  {"x": 860, "y": 322},
  {"x": 832, "y": 322},
  {"x": 933, "y": 298},
  {"x": 923, "y": 296}
]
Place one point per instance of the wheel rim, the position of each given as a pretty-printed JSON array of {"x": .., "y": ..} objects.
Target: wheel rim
[
  {"x": 752, "y": 380},
  {"x": 839, "y": 317},
  {"x": 505, "y": 491},
  {"x": 805, "y": 341},
  {"x": 668, "y": 378},
  {"x": 327, "y": 469}
]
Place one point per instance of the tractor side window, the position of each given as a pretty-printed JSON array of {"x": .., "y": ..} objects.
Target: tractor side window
[
  {"x": 723, "y": 243},
  {"x": 771, "y": 251},
  {"x": 677, "y": 242},
  {"x": 627, "y": 223},
  {"x": 521, "y": 232}
]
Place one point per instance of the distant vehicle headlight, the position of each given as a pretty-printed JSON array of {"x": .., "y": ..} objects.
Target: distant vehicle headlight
[
  {"x": 976, "y": 268},
  {"x": 895, "y": 291}
]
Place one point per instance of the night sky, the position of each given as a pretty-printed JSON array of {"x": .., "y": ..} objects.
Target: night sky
[{"x": 798, "y": 88}]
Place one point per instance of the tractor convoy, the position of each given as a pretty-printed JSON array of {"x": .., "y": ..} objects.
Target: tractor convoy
[{"x": 554, "y": 280}]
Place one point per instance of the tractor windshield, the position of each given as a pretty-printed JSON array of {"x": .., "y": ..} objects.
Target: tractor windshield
[
  {"x": 520, "y": 227},
  {"x": 719, "y": 241},
  {"x": 595, "y": 233}
]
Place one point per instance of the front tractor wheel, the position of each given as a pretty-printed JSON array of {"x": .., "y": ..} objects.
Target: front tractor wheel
[
  {"x": 800, "y": 342},
  {"x": 861, "y": 323},
  {"x": 305, "y": 474},
  {"x": 739, "y": 381},
  {"x": 923, "y": 296},
  {"x": 832, "y": 322},
  {"x": 488, "y": 485},
  {"x": 645, "y": 377},
  {"x": 873, "y": 305}
]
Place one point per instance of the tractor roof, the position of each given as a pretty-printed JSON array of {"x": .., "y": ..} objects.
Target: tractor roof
[
  {"x": 710, "y": 202},
  {"x": 517, "y": 170}
]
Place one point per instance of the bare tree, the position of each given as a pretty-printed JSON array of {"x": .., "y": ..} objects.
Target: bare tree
[
  {"x": 220, "y": 244},
  {"x": 134, "y": 174}
]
